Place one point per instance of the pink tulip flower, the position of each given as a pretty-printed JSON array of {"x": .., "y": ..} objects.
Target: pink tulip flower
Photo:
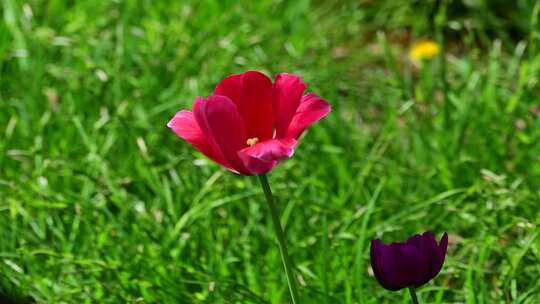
[{"x": 250, "y": 124}]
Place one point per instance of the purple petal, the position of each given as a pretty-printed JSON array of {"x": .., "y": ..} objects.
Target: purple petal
[
  {"x": 443, "y": 245},
  {"x": 380, "y": 262},
  {"x": 409, "y": 264}
]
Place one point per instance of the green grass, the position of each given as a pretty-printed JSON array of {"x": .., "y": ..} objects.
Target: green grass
[{"x": 101, "y": 203}]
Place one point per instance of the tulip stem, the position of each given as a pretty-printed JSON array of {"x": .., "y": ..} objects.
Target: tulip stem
[
  {"x": 287, "y": 264},
  {"x": 413, "y": 295}
]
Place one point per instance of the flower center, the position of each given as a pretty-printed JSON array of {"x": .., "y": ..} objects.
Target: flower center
[{"x": 252, "y": 141}]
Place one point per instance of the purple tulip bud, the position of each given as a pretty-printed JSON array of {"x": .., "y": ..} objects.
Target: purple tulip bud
[{"x": 409, "y": 264}]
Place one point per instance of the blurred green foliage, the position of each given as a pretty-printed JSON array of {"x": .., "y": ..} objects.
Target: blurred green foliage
[{"x": 100, "y": 202}]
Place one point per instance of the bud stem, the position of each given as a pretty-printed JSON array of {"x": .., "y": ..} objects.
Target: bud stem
[
  {"x": 413, "y": 295},
  {"x": 287, "y": 264}
]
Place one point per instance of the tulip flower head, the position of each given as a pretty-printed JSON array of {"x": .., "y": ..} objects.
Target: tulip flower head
[
  {"x": 250, "y": 124},
  {"x": 410, "y": 264}
]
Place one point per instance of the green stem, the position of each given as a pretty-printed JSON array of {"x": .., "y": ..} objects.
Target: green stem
[
  {"x": 287, "y": 264},
  {"x": 413, "y": 295}
]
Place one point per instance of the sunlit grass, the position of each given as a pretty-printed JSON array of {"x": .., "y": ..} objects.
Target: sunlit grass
[{"x": 100, "y": 202}]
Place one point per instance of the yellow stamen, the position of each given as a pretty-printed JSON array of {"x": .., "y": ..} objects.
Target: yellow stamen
[{"x": 252, "y": 141}]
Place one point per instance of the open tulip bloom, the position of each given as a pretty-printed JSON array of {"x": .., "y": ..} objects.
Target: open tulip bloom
[
  {"x": 248, "y": 126},
  {"x": 410, "y": 264}
]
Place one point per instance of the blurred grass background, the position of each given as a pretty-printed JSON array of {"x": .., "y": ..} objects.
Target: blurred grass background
[{"x": 101, "y": 203}]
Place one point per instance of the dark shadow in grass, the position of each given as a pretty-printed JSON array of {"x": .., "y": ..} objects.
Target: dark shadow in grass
[
  {"x": 14, "y": 299},
  {"x": 9, "y": 295},
  {"x": 4, "y": 299}
]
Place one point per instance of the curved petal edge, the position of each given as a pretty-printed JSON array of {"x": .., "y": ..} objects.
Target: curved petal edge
[
  {"x": 262, "y": 157},
  {"x": 312, "y": 109}
]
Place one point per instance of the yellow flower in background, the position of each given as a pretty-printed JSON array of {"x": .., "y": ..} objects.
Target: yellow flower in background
[{"x": 425, "y": 49}]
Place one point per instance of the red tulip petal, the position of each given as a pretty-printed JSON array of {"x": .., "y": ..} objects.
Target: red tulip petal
[
  {"x": 257, "y": 166},
  {"x": 231, "y": 86},
  {"x": 218, "y": 118},
  {"x": 312, "y": 108},
  {"x": 288, "y": 90},
  {"x": 252, "y": 93},
  {"x": 262, "y": 157},
  {"x": 185, "y": 126},
  {"x": 273, "y": 149}
]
